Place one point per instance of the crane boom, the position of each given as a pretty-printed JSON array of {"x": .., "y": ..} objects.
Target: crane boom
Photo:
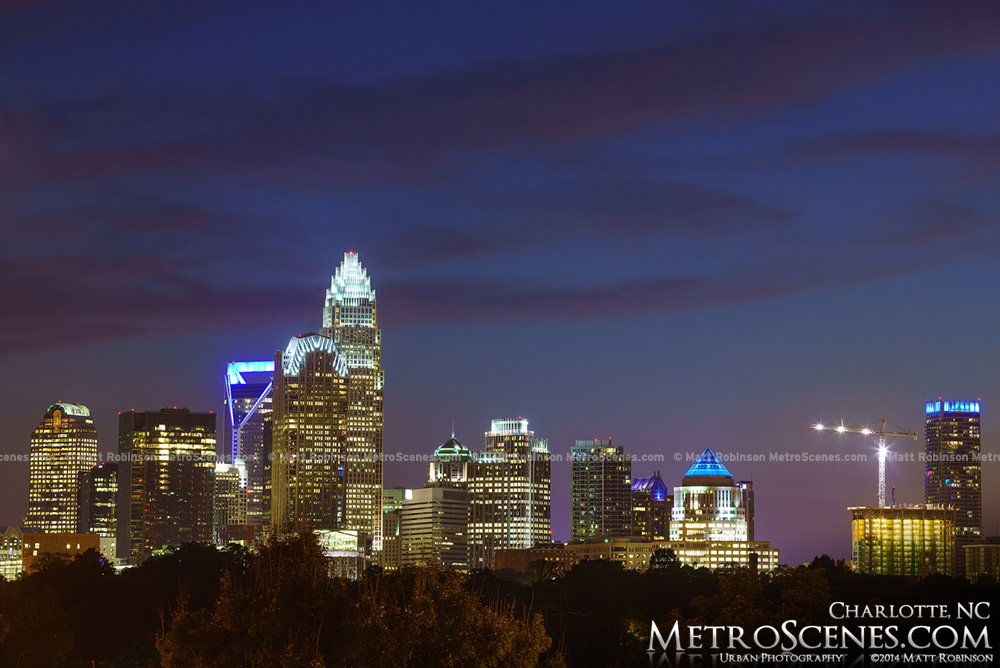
[
  {"x": 840, "y": 428},
  {"x": 880, "y": 435}
]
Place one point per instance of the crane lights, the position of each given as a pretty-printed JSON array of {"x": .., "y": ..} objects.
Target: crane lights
[{"x": 882, "y": 448}]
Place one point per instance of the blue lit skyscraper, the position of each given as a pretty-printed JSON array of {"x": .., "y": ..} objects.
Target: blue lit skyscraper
[
  {"x": 350, "y": 319},
  {"x": 247, "y": 429},
  {"x": 651, "y": 507},
  {"x": 954, "y": 474}
]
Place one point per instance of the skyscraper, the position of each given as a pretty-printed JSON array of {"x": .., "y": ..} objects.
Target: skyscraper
[
  {"x": 98, "y": 506},
  {"x": 510, "y": 490},
  {"x": 746, "y": 487},
  {"x": 954, "y": 475},
  {"x": 230, "y": 501},
  {"x": 390, "y": 558},
  {"x": 903, "y": 540},
  {"x": 449, "y": 467},
  {"x": 711, "y": 520},
  {"x": 165, "y": 480},
  {"x": 247, "y": 429},
  {"x": 433, "y": 527},
  {"x": 310, "y": 402},
  {"x": 651, "y": 508},
  {"x": 708, "y": 505},
  {"x": 63, "y": 446},
  {"x": 601, "y": 495},
  {"x": 350, "y": 319}
]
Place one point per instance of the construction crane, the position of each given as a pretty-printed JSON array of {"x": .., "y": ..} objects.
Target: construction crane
[{"x": 880, "y": 435}]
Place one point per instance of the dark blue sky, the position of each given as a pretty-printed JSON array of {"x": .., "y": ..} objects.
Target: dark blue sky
[{"x": 678, "y": 224}]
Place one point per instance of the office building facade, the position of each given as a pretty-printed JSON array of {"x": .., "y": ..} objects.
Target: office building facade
[
  {"x": 914, "y": 540},
  {"x": 37, "y": 547},
  {"x": 310, "y": 403},
  {"x": 63, "y": 446},
  {"x": 510, "y": 490},
  {"x": 982, "y": 560},
  {"x": 230, "y": 505},
  {"x": 166, "y": 477},
  {"x": 652, "y": 505},
  {"x": 391, "y": 556},
  {"x": 98, "y": 506},
  {"x": 433, "y": 527},
  {"x": 600, "y": 492},
  {"x": 11, "y": 547}
]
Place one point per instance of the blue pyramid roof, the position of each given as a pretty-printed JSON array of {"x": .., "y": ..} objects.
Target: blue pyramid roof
[{"x": 708, "y": 465}]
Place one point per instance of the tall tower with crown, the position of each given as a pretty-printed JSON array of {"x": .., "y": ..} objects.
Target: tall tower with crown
[{"x": 350, "y": 319}]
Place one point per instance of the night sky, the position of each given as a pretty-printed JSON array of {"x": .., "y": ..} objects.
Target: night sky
[{"x": 678, "y": 224}]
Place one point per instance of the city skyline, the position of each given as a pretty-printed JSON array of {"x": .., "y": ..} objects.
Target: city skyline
[{"x": 593, "y": 219}]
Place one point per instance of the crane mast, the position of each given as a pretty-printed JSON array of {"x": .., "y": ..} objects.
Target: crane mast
[{"x": 879, "y": 435}]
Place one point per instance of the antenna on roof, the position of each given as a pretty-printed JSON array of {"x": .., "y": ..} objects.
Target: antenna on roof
[{"x": 453, "y": 429}]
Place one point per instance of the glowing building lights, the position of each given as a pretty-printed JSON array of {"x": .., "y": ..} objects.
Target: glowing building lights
[
  {"x": 903, "y": 540},
  {"x": 953, "y": 475},
  {"x": 601, "y": 499},
  {"x": 328, "y": 416},
  {"x": 165, "y": 480},
  {"x": 510, "y": 490},
  {"x": 713, "y": 511},
  {"x": 63, "y": 446}
]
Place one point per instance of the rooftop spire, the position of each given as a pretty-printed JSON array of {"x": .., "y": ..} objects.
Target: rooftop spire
[
  {"x": 708, "y": 465},
  {"x": 351, "y": 280}
]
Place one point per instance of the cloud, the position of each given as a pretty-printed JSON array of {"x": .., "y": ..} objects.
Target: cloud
[
  {"x": 311, "y": 132},
  {"x": 936, "y": 223},
  {"x": 72, "y": 300},
  {"x": 559, "y": 207},
  {"x": 980, "y": 150}
]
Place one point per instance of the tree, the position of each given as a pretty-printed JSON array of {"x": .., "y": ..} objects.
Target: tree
[
  {"x": 739, "y": 602},
  {"x": 286, "y": 612},
  {"x": 832, "y": 568},
  {"x": 664, "y": 560},
  {"x": 804, "y": 594},
  {"x": 37, "y": 635}
]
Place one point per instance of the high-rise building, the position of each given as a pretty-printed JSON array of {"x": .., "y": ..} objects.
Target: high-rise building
[
  {"x": 308, "y": 471},
  {"x": 165, "y": 480},
  {"x": 98, "y": 506},
  {"x": 230, "y": 501},
  {"x": 63, "y": 445},
  {"x": 954, "y": 474},
  {"x": 510, "y": 490},
  {"x": 391, "y": 556},
  {"x": 983, "y": 560},
  {"x": 10, "y": 552},
  {"x": 350, "y": 319},
  {"x": 711, "y": 519},
  {"x": 247, "y": 429},
  {"x": 746, "y": 486},
  {"x": 651, "y": 508},
  {"x": 449, "y": 467},
  {"x": 708, "y": 505},
  {"x": 903, "y": 540},
  {"x": 433, "y": 527},
  {"x": 601, "y": 495}
]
